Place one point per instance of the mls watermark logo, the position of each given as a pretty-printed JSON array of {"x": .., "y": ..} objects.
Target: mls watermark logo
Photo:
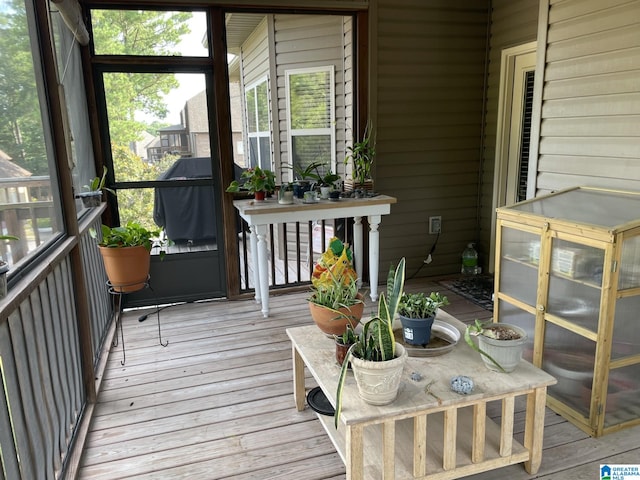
[{"x": 619, "y": 472}]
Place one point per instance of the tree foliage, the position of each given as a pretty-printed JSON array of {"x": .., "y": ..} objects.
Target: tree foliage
[
  {"x": 136, "y": 32},
  {"x": 131, "y": 97},
  {"x": 21, "y": 131},
  {"x": 136, "y": 205}
]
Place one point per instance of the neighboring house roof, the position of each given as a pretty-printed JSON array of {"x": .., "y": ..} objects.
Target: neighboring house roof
[
  {"x": 8, "y": 169},
  {"x": 172, "y": 128}
]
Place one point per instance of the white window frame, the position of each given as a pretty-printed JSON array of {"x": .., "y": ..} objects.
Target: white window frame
[
  {"x": 330, "y": 130},
  {"x": 258, "y": 134}
]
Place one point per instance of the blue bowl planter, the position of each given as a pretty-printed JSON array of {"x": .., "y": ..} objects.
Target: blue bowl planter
[{"x": 416, "y": 331}]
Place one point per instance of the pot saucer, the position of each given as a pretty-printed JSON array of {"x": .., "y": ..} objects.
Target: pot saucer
[{"x": 444, "y": 337}]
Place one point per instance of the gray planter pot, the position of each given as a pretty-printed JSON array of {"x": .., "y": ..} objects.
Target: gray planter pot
[
  {"x": 416, "y": 331},
  {"x": 508, "y": 353}
]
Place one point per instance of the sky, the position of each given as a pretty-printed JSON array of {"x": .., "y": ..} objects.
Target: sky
[{"x": 190, "y": 84}]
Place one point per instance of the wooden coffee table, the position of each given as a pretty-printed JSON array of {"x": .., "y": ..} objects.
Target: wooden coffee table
[{"x": 429, "y": 431}]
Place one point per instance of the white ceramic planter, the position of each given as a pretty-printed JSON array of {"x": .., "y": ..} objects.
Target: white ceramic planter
[
  {"x": 324, "y": 192},
  {"x": 378, "y": 382},
  {"x": 508, "y": 353}
]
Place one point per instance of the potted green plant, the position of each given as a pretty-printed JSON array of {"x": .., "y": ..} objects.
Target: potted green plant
[
  {"x": 285, "y": 193},
  {"x": 499, "y": 344},
  {"x": 304, "y": 178},
  {"x": 4, "y": 268},
  {"x": 344, "y": 342},
  {"x": 361, "y": 155},
  {"x": 256, "y": 180},
  {"x": 92, "y": 196},
  {"x": 126, "y": 251},
  {"x": 335, "y": 301},
  {"x": 336, "y": 305},
  {"x": 326, "y": 181},
  {"x": 377, "y": 360},
  {"x": 417, "y": 312}
]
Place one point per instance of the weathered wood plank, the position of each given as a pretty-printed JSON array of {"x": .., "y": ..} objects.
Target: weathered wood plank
[{"x": 208, "y": 407}]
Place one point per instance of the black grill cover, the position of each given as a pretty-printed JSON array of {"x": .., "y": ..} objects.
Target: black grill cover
[{"x": 187, "y": 213}]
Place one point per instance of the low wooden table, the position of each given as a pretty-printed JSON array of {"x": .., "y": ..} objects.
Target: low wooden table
[{"x": 394, "y": 441}]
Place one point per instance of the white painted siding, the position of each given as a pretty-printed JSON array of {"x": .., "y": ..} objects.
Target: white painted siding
[
  {"x": 429, "y": 65},
  {"x": 590, "y": 111}
]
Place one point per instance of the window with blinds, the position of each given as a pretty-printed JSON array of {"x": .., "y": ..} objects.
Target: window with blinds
[
  {"x": 523, "y": 171},
  {"x": 311, "y": 116}
]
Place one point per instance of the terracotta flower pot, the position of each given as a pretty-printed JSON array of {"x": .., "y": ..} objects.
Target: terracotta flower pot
[
  {"x": 341, "y": 352},
  {"x": 332, "y": 323},
  {"x": 127, "y": 267},
  {"x": 259, "y": 196}
]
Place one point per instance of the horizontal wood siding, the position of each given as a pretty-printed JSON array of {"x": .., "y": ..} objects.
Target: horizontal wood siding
[
  {"x": 255, "y": 55},
  {"x": 42, "y": 395},
  {"x": 305, "y": 41},
  {"x": 429, "y": 73},
  {"x": 590, "y": 115},
  {"x": 513, "y": 23}
]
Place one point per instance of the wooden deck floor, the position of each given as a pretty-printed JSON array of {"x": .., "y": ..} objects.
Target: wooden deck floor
[{"x": 217, "y": 403}]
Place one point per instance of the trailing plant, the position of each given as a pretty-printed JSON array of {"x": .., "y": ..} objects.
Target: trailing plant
[
  {"x": 376, "y": 342},
  {"x": 338, "y": 293},
  {"x": 418, "y": 305},
  {"x": 335, "y": 283},
  {"x": 486, "y": 329}
]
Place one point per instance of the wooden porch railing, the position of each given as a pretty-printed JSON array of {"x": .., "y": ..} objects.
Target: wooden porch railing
[
  {"x": 26, "y": 211},
  {"x": 43, "y": 397}
]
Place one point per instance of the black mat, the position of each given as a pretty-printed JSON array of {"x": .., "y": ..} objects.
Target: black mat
[{"x": 476, "y": 288}]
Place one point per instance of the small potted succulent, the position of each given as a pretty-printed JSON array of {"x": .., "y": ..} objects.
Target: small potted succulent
[
  {"x": 417, "y": 312},
  {"x": 500, "y": 345},
  {"x": 256, "y": 180}
]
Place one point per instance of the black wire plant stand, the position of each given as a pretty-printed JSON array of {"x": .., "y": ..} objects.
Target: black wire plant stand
[{"x": 117, "y": 302}]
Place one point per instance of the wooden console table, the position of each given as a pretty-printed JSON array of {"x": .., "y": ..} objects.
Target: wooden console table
[
  {"x": 437, "y": 434},
  {"x": 259, "y": 215}
]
